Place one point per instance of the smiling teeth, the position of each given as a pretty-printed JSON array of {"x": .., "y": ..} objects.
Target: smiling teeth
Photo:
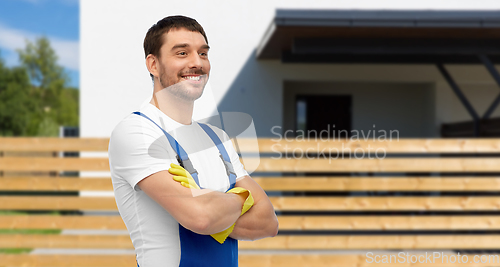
[{"x": 194, "y": 78}]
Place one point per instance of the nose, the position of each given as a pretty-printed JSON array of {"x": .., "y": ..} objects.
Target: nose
[{"x": 195, "y": 61}]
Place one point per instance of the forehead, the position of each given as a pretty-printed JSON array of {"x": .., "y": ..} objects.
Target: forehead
[{"x": 175, "y": 36}]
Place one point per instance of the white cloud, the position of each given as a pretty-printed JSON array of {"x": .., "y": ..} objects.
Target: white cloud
[{"x": 66, "y": 50}]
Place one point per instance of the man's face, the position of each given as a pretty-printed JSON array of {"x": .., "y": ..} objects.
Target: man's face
[{"x": 183, "y": 64}]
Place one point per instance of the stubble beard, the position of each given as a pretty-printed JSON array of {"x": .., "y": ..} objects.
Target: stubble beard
[{"x": 180, "y": 89}]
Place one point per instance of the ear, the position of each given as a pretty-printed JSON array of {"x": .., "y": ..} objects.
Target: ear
[{"x": 151, "y": 65}]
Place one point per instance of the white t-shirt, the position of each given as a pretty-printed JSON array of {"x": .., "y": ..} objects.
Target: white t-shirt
[{"x": 137, "y": 149}]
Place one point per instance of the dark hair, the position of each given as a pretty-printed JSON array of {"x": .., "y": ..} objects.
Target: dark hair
[{"x": 154, "y": 37}]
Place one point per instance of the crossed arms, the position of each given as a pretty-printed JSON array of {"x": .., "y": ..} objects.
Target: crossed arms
[{"x": 213, "y": 211}]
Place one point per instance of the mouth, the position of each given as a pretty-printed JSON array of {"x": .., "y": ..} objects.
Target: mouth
[{"x": 192, "y": 78}]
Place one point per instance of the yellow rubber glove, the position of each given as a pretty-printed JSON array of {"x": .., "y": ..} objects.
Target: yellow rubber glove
[
  {"x": 185, "y": 179},
  {"x": 248, "y": 202},
  {"x": 182, "y": 176},
  {"x": 222, "y": 236}
]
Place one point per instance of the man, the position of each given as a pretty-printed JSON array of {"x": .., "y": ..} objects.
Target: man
[{"x": 182, "y": 216}]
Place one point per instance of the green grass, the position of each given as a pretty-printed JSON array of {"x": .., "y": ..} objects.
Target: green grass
[
  {"x": 15, "y": 250},
  {"x": 30, "y": 231},
  {"x": 24, "y": 231},
  {"x": 8, "y": 212}
]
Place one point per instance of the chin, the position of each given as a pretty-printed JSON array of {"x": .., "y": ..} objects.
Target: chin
[
  {"x": 197, "y": 96},
  {"x": 190, "y": 95},
  {"x": 195, "y": 92}
]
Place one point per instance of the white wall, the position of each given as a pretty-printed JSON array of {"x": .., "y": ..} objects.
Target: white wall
[{"x": 114, "y": 79}]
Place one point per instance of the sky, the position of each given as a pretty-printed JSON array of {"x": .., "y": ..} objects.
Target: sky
[{"x": 59, "y": 20}]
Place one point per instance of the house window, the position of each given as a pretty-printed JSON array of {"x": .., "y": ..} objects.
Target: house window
[{"x": 325, "y": 116}]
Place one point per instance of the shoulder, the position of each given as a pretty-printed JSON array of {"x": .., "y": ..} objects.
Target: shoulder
[
  {"x": 132, "y": 123},
  {"x": 127, "y": 125},
  {"x": 133, "y": 131}
]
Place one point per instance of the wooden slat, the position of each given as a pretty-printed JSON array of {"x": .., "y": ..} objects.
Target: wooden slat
[
  {"x": 477, "y": 203},
  {"x": 349, "y": 260},
  {"x": 53, "y": 164},
  {"x": 281, "y": 165},
  {"x": 379, "y": 183},
  {"x": 53, "y": 144},
  {"x": 384, "y": 203},
  {"x": 65, "y": 241},
  {"x": 383, "y": 223},
  {"x": 377, "y": 165},
  {"x": 280, "y": 242},
  {"x": 40, "y": 260},
  {"x": 55, "y": 184},
  {"x": 313, "y": 242},
  {"x": 297, "y": 183},
  {"x": 57, "y": 203},
  {"x": 61, "y": 222},
  {"x": 244, "y": 260},
  {"x": 285, "y": 222},
  {"x": 404, "y": 145}
]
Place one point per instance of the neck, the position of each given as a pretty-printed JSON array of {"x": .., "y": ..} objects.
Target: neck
[{"x": 176, "y": 108}]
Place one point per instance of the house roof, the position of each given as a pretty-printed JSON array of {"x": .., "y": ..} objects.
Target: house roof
[{"x": 399, "y": 36}]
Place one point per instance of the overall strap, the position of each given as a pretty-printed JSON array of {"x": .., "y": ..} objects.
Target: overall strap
[
  {"x": 181, "y": 156},
  {"x": 222, "y": 153}
]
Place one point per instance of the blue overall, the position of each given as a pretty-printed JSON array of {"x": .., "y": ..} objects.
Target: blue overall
[{"x": 196, "y": 249}]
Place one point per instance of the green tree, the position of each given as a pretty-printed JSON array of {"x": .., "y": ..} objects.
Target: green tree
[
  {"x": 58, "y": 104},
  {"x": 17, "y": 102},
  {"x": 35, "y": 98}
]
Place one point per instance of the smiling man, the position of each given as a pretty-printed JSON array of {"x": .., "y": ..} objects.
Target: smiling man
[{"x": 179, "y": 185}]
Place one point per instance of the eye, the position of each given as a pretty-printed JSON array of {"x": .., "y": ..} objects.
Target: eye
[
  {"x": 181, "y": 53},
  {"x": 204, "y": 54}
]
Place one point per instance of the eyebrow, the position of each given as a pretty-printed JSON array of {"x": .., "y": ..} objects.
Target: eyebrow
[{"x": 187, "y": 45}]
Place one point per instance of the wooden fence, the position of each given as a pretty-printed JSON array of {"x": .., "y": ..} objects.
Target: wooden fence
[{"x": 422, "y": 195}]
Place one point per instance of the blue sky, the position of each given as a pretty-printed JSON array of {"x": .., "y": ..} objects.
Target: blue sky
[{"x": 59, "y": 20}]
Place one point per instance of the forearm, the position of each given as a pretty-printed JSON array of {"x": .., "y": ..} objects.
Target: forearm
[
  {"x": 219, "y": 210},
  {"x": 259, "y": 222}
]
